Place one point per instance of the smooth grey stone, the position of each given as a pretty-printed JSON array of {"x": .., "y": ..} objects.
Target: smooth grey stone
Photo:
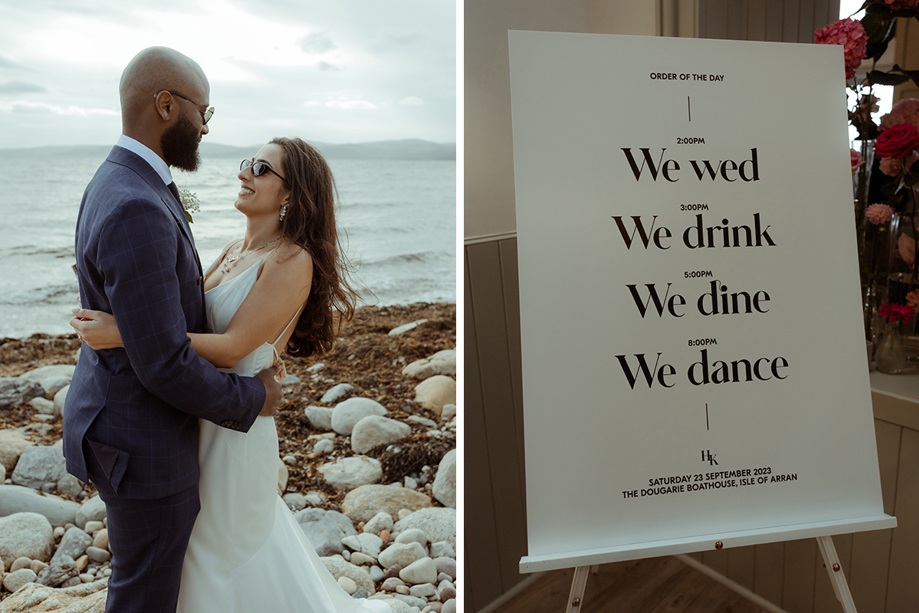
[
  {"x": 42, "y": 405},
  {"x": 379, "y": 522},
  {"x": 73, "y": 544},
  {"x": 442, "y": 549},
  {"x": 349, "y": 473},
  {"x": 52, "y": 385},
  {"x": 16, "y": 580},
  {"x": 54, "y": 371},
  {"x": 325, "y": 529},
  {"x": 369, "y": 544},
  {"x": 39, "y": 465},
  {"x": 362, "y": 503},
  {"x": 401, "y": 554},
  {"x": 424, "y": 421},
  {"x": 60, "y": 400},
  {"x": 438, "y": 523},
  {"x": 319, "y": 417},
  {"x": 406, "y": 327},
  {"x": 324, "y": 446},
  {"x": 422, "y": 590},
  {"x": 346, "y": 414},
  {"x": 446, "y": 566},
  {"x": 25, "y": 535},
  {"x": 336, "y": 393},
  {"x": 340, "y": 568},
  {"x": 374, "y": 430},
  {"x": 18, "y": 499},
  {"x": 97, "y": 554},
  {"x": 70, "y": 485},
  {"x": 423, "y": 570},
  {"x": 91, "y": 510},
  {"x": 290, "y": 380},
  {"x": 412, "y": 535},
  {"x": 16, "y": 390},
  {"x": 411, "y": 601},
  {"x": 441, "y": 363},
  {"x": 295, "y": 502},
  {"x": 444, "y": 489}
]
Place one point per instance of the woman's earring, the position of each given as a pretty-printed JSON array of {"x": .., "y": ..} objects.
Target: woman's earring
[{"x": 283, "y": 212}]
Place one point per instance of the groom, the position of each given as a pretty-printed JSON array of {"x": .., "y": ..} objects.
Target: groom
[{"x": 131, "y": 418}]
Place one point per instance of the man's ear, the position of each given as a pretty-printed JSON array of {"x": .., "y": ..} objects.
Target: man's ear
[{"x": 164, "y": 103}]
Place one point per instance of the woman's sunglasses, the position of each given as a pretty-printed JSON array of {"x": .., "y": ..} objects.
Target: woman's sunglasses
[{"x": 259, "y": 168}]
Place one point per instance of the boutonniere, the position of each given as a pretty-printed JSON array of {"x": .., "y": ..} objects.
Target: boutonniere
[{"x": 189, "y": 202}]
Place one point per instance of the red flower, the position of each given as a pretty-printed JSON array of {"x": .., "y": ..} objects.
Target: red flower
[
  {"x": 897, "y": 141},
  {"x": 893, "y": 312}
]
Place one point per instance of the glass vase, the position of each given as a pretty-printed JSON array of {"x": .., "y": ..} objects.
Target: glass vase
[
  {"x": 903, "y": 273},
  {"x": 890, "y": 355},
  {"x": 872, "y": 247}
]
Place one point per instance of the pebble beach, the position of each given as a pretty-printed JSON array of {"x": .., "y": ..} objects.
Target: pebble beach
[{"x": 367, "y": 465}]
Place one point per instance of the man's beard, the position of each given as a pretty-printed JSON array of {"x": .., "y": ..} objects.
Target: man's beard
[{"x": 180, "y": 145}]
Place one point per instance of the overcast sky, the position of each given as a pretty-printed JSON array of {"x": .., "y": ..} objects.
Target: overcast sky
[{"x": 336, "y": 71}]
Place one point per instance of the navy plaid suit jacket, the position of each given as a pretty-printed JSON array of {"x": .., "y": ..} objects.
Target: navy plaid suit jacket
[{"x": 137, "y": 408}]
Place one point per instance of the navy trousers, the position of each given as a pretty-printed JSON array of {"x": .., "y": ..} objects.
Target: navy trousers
[{"x": 148, "y": 539}]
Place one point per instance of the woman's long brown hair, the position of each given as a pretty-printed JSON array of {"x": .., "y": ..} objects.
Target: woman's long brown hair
[{"x": 310, "y": 223}]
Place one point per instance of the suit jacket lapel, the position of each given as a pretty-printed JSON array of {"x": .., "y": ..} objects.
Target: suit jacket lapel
[{"x": 122, "y": 156}]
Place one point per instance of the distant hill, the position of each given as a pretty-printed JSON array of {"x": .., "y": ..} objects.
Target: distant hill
[{"x": 410, "y": 149}]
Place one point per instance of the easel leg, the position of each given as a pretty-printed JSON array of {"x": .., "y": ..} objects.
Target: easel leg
[
  {"x": 578, "y": 585},
  {"x": 837, "y": 576}
]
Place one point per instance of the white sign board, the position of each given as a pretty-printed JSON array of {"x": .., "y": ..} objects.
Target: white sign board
[{"x": 693, "y": 356}]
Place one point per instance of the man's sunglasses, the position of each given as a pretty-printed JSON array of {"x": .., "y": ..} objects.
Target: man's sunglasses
[
  {"x": 259, "y": 168},
  {"x": 206, "y": 114}
]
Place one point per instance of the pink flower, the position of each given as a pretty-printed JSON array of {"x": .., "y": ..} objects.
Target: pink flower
[
  {"x": 893, "y": 312},
  {"x": 906, "y": 249},
  {"x": 912, "y": 299},
  {"x": 878, "y": 213},
  {"x": 891, "y": 167},
  {"x": 904, "y": 111},
  {"x": 856, "y": 159},
  {"x": 869, "y": 103},
  {"x": 903, "y": 4},
  {"x": 851, "y": 35}
]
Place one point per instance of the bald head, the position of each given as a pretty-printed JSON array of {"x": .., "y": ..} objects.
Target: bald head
[{"x": 153, "y": 70}]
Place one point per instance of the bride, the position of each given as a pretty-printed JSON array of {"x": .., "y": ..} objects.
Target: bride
[{"x": 278, "y": 286}]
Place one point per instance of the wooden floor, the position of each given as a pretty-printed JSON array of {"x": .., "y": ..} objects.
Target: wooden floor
[{"x": 657, "y": 585}]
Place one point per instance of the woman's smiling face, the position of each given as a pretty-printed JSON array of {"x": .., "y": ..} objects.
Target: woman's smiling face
[{"x": 263, "y": 194}]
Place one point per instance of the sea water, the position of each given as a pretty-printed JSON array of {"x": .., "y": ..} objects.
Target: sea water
[{"x": 397, "y": 224}]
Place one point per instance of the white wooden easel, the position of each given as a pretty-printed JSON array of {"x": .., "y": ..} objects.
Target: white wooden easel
[{"x": 827, "y": 550}]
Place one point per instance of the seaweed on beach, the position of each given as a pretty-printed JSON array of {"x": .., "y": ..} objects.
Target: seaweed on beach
[
  {"x": 364, "y": 356},
  {"x": 410, "y": 455}
]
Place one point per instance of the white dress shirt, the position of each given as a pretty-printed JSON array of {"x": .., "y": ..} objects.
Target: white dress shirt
[{"x": 161, "y": 167}]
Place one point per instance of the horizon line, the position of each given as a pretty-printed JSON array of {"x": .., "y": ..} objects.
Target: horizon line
[{"x": 315, "y": 142}]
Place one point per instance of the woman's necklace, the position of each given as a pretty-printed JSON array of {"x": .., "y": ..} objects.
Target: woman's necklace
[{"x": 230, "y": 261}]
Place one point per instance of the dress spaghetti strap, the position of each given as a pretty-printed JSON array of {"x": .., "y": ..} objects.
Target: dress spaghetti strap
[{"x": 274, "y": 347}]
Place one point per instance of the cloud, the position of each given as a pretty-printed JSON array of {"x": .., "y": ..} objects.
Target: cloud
[
  {"x": 5, "y": 63},
  {"x": 347, "y": 101},
  {"x": 317, "y": 42},
  {"x": 412, "y": 101},
  {"x": 21, "y": 87},
  {"x": 350, "y": 104},
  {"x": 325, "y": 66},
  {"x": 40, "y": 108}
]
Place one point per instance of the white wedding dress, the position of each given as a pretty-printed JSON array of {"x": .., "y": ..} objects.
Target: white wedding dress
[{"x": 247, "y": 554}]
